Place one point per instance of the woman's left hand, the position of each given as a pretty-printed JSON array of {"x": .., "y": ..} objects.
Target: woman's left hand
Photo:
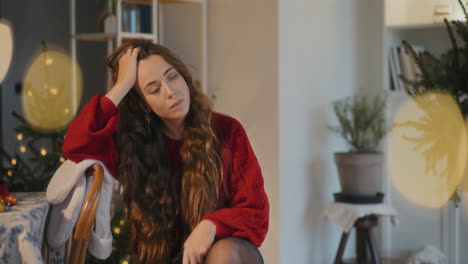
[{"x": 199, "y": 242}]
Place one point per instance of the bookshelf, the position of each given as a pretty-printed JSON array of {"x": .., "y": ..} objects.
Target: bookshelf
[{"x": 170, "y": 21}]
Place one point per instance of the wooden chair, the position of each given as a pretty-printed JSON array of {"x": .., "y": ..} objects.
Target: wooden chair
[{"x": 75, "y": 247}]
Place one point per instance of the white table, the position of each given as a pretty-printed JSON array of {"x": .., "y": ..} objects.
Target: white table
[{"x": 22, "y": 229}]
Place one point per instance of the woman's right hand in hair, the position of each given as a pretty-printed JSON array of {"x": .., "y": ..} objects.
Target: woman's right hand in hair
[{"x": 126, "y": 77}]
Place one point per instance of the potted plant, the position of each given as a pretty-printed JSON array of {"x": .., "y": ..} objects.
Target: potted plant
[{"x": 362, "y": 125}]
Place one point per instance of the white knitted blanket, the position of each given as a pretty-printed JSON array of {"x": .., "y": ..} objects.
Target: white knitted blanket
[{"x": 66, "y": 193}]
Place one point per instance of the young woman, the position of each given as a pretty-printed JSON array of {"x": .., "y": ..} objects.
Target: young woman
[{"x": 191, "y": 182}]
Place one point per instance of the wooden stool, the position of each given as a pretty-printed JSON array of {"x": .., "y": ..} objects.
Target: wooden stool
[{"x": 364, "y": 240}]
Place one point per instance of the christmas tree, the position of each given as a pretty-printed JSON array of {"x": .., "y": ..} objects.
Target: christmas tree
[{"x": 37, "y": 157}]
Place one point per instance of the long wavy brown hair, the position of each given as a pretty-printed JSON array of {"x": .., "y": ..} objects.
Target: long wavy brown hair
[{"x": 154, "y": 207}]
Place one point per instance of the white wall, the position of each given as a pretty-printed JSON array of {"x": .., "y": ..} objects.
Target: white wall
[
  {"x": 322, "y": 57},
  {"x": 243, "y": 54}
]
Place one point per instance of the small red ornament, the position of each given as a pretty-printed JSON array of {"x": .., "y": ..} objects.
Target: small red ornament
[{"x": 11, "y": 199}]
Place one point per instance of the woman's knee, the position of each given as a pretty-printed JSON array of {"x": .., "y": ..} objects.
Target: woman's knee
[{"x": 233, "y": 251}]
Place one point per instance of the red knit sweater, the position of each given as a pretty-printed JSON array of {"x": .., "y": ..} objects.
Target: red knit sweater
[{"x": 92, "y": 136}]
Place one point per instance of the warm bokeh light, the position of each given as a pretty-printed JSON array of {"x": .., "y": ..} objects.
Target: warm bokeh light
[
  {"x": 10, "y": 173},
  {"x": 13, "y": 162},
  {"x": 62, "y": 159},
  {"x": 428, "y": 149},
  {"x": 43, "y": 152},
  {"x": 48, "y": 89},
  {"x": 22, "y": 149},
  {"x": 117, "y": 230},
  {"x": 19, "y": 136},
  {"x": 6, "y": 47}
]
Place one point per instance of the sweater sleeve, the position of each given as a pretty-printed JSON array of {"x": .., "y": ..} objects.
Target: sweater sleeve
[
  {"x": 91, "y": 135},
  {"x": 248, "y": 213}
]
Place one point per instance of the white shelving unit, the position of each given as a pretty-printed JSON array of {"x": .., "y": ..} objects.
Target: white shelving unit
[
  {"x": 113, "y": 40},
  {"x": 413, "y": 21}
]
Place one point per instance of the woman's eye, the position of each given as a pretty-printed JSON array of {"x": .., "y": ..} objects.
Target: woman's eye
[
  {"x": 173, "y": 77},
  {"x": 156, "y": 90}
]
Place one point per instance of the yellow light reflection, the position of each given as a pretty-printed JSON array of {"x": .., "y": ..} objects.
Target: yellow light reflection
[
  {"x": 6, "y": 50},
  {"x": 428, "y": 149},
  {"x": 49, "y": 61},
  {"x": 43, "y": 152},
  {"x": 22, "y": 149},
  {"x": 49, "y": 90},
  {"x": 53, "y": 91}
]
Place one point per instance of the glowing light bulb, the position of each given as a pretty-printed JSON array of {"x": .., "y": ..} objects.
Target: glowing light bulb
[
  {"x": 19, "y": 136},
  {"x": 43, "y": 152},
  {"x": 10, "y": 173},
  {"x": 122, "y": 222},
  {"x": 22, "y": 149},
  {"x": 117, "y": 230},
  {"x": 62, "y": 159},
  {"x": 13, "y": 162}
]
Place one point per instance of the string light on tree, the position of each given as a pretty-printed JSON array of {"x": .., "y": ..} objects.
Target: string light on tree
[
  {"x": 49, "y": 61},
  {"x": 22, "y": 149},
  {"x": 13, "y": 162},
  {"x": 53, "y": 91},
  {"x": 43, "y": 152},
  {"x": 19, "y": 137}
]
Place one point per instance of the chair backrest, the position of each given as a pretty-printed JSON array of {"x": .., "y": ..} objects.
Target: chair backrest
[
  {"x": 75, "y": 248},
  {"x": 87, "y": 216}
]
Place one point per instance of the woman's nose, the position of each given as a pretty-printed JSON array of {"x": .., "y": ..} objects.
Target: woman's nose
[{"x": 169, "y": 90}]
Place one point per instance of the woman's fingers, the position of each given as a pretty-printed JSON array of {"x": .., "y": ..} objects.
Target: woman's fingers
[
  {"x": 191, "y": 256},
  {"x": 132, "y": 51},
  {"x": 193, "y": 260},
  {"x": 185, "y": 259},
  {"x": 199, "y": 259}
]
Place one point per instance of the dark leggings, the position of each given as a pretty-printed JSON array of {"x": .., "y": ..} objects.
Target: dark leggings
[{"x": 233, "y": 250}]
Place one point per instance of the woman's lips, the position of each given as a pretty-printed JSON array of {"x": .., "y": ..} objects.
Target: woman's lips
[{"x": 176, "y": 104}]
